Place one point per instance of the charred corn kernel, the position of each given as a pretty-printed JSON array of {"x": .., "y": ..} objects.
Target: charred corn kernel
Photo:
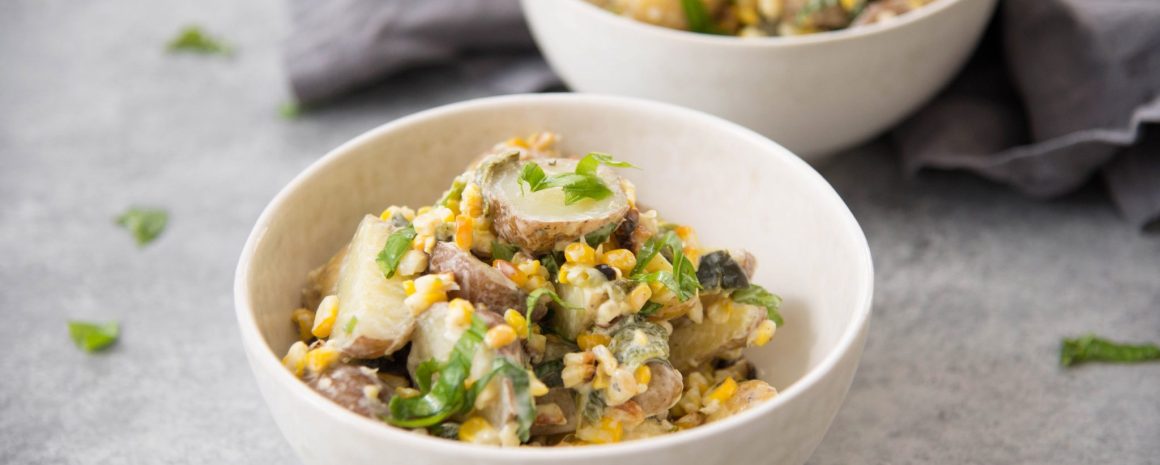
[
  {"x": 409, "y": 286},
  {"x": 587, "y": 340},
  {"x": 463, "y": 232},
  {"x": 475, "y": 428},
  {"x": 536, "y": 387},
  {"x": 580, "y": 253},
  {"x": 578, "y": 368},
  {"x": 325, "y": 316},
  {"x": 562, "y": 275},
  {"x": 511, "y": 271},
  {"x": 643, "y": 375},
  {"x": 472, "y": 201},
  {"x": 517, "y": 142},
  {"x": 763, "y": 333},
  {"x": 460, "y": 313},
  {"x": 517, "y": 321},
  {"x": 303, "y": 320},
  {"x": 638, "y": 296},
  {"x": 621, "y": 259},
  {"x": 321, "y": 358},
  {"x": 621, "y": 387},
  {"x": 499, "y": 336},
  {"x": 295, "y": 359},
  {"x": 723, "y": 391},
  {"x": 608, "y": 431}
]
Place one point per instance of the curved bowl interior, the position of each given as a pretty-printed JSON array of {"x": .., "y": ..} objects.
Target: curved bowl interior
[
  {"x": 814, "y": 94},
  {"x": 735, "y": 187}
]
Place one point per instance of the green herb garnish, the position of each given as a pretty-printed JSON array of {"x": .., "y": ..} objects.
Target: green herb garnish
[
  {"x": 453, "y": 194},
  {"x": 1090, "y": 348},
  {"x": 698, "y": 17},
  {"x": 502, "y": 251},
  {"x": 682, "y": 280},
  {"x": 145, "y": 223},
  {"x": 552, "y": 263},
  {"x": 534, "y": 298},
  {"x": 398, "y": 243},
  {"x": 649, "y": 309},
  {"x": 757, "y": 295},
  {"x": 521, "y": 385},
  {"x": 581, "y": 184},
  {"x": 290, "y": 110},
  {"x": 350, "y": 324},
  {"x": 192, "y": 39},
  {"x": 601, "y": 235},
  {"x": 92, "y": 337}
]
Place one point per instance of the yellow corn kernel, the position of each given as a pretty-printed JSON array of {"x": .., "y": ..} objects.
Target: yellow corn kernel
[
  {"x": 851, "y": 5},
  {"x": 406, "y": 392},
  {"x": 638, "y": 296},
  {"x": 295, "y": 359},
  {"x": 601, "y": 380},
  {"x": 723, "y": 391},
  {"x": 303, "y": 319},
  {"x": 460, "y": 312},
  {"x": 511, "y": 271},
  {"x": 321, "y": 358},
  {"x": 643, "y": 375},
  {"x": 621, "y": 259},
  {"x": 536, "y": 387},
  {"x": 463, "y": 232},
  {"x": 536, "y": 282},
  {"x": 409, "y": 286},
  {"x": 607, "y": 432},
  {"x": 517, "y": 321},
  {"x": 473, "y": 427},
  {"x": 472, "y": 201},
  {"x": 763, "y": 333},
  {"x": 499, "y": 336},
  {"x": 517, "y": 142},
  {"x": 747, "y": 13},
  {"x": 658, "y": 263},
  {"x": 587, "y": 340},
  {"x": 562, "y": 275},
  {"x": 580, "y": 254},
  {"x": 423, "y": 210},
  {"x": 324, "y": 318}
]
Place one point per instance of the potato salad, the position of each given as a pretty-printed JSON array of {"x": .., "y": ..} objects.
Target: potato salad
[
  {"x": 760, "y": 18},
  {"x": 536, "y": 303}
]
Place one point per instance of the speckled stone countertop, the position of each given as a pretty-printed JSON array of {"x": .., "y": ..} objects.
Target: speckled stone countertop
[{"x": 975, "y": 284}]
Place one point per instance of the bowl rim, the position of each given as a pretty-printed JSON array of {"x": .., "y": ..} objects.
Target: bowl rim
[
  {"x": 263, "y": 359},
  {"x": 689, "y": 37}
]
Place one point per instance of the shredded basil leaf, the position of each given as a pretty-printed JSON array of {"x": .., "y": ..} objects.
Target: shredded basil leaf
[
  {"x": 757, "y": 295},
  {"x": 583, "y": 183},
  {"x": 698, "y": 17},
  {"x": 92, "y": 337},
  {"x": 1091, "y": 348},
  {"x": 649, "y": 309},
  {"x": 398, "y": 243},
  {"x": 593, "y": 160},
  {"x": 350, "y": 324},
  {"x": 144, "y": 223},
  {"x": 502, "y": 251},
  {"x": 601, "y": 235},
  {"x": 453, "y": 194},
  {"x": 192, "y": 39},
  {"x": 447, "y": 395},
  {"x": 682, "y": 280}
]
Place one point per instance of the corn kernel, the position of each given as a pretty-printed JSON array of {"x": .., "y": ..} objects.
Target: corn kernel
[
  {"x": 409, "y": 286},
  {"x": 475, "y": 428},
  {"x": 724, "y": 391},
  {"x": 850, "y": 5},
  {"x": 643, "y": 375},
  {"x": 580, "y": 253},
  {"x": 472, "y": 203},
  {"x": 536, "y": 282},
  {"x": 517, "y": 321},
  {"x": 621, "y": 259},
  {"x": 747, "y": 14},
  {"x": 325, "y": 316},
  {"x": 608, "y": 431},
  {"x": 406, "y": 392},
  {"x": 601, "y": 380},
  {"x": 499, "y": 336},
  {"x": 587, "y": 340},
  {"x": 517, "y": 142},
  {"x": 536, "y": 387},
  {"x": 321, "y": 358},
  {"x": 463, "y": 232},
  {"x": 639, "y": 296},
  {"x": 763, "y": 333},
  {"x": 562, "y": 275},
  {"x": 511, "y": 271},
  {"x": 303, "y": 319},
  {"x": 295, "y": 359}
]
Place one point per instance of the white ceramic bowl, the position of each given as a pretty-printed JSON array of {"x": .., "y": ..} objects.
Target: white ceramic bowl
[
  {"x": 814, "y": 94},
  {"x": 736, "y": 187}
]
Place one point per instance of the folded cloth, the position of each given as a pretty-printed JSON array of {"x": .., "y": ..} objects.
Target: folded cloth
[
  {"x": 340, "y": 45},
  {"x": 1059, "y": 91}
]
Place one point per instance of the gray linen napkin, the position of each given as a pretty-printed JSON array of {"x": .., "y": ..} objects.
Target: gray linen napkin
[{"x": 1060, "y": 91}]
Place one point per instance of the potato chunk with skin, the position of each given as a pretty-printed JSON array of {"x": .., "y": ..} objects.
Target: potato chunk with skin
[
  {"x": 664, "y": 389},
  {"x": 538, "y": 222},
  {"x": 749, "y": 393},
  {"x": 580, "y": 313},
  {"x": 355, "y": 388},
  {"x": 372, "y": 319},
  {"x": 478, "y": 283},
  {"x": 693, "y": 344},
  {"x": 323, "y": 281}
]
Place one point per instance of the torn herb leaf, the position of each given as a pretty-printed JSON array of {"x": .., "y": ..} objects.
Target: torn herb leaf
[
  {"x": 682, "y": 280},
  {"x": 583, "y": 183},
  {"x": 697, "y": 17},
  {"x": 397, "y": 245},
  {"x": 445, "y": 394},
  {"x": 193, "y": 40},
  {"x": 350, "y": 324},
  {"x": 757, "y": 295},
  {"x": 600, "y": 236},
  {"x": 92, "y": 337},
  {"x": 1091, "y": 348},
  {"x": 144, "y": 223},
  {"x": 503, "y": 251}
]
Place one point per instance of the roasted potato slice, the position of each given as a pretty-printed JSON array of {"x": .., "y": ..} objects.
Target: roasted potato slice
[
  {"x": 693, "y": 344},
  {"x": 539, "y": 222},
  {"x": 556, "y": 412},
  {"x": 372, "y": 319},
  {"x": 355, "y": 388},
  {"x": 664, "y": 389},
  {"x": 478, "y": 283},
  {"x": 749, "y": 393}
]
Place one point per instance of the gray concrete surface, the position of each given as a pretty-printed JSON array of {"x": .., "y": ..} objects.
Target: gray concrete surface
[{"x": 975, "y": 287}]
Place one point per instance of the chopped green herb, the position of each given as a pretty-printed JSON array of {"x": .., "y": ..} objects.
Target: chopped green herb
[
  {"x": 398, "y": 243},
  {"x": 757, "y": 295},
  {"x": 649, "y": 309},
  {"x": 350, "y": 324},
  {"x": 1090, "y": 348},
  {"x": 698, "y": 17},
  {"x": 552, "y": 263},
  {"x": 521, "y": 384},
  {"x": 92, "y": 337},
  {"x": 453, "y": 194},
  {"x": 584, "y": 183},
  {"x": 443, "y": 393},
  {"x": 145, "y": 223},
  {"x": 502, "y": 251},
  {"x": 290, "y": 110},
  {"x": 682, "y": 280},
  {"x": 445, "y": 430},
  {"x": 192, "y": 39},
  {"x": 601, "y": 235},
  {"x": 534, "y": 298}
]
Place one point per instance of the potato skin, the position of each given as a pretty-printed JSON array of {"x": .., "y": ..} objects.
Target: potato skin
[
  {"x": 664, "y": 389},
  {"x": 478, "y": 283},
  {"x": 347, "y": 385},
  {"x": 749, "y": 393}
]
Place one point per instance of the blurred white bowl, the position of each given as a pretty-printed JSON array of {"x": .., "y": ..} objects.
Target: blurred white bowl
[
  {"x": 736, "y": 187},
  {"x": 813, "y": 94}
]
